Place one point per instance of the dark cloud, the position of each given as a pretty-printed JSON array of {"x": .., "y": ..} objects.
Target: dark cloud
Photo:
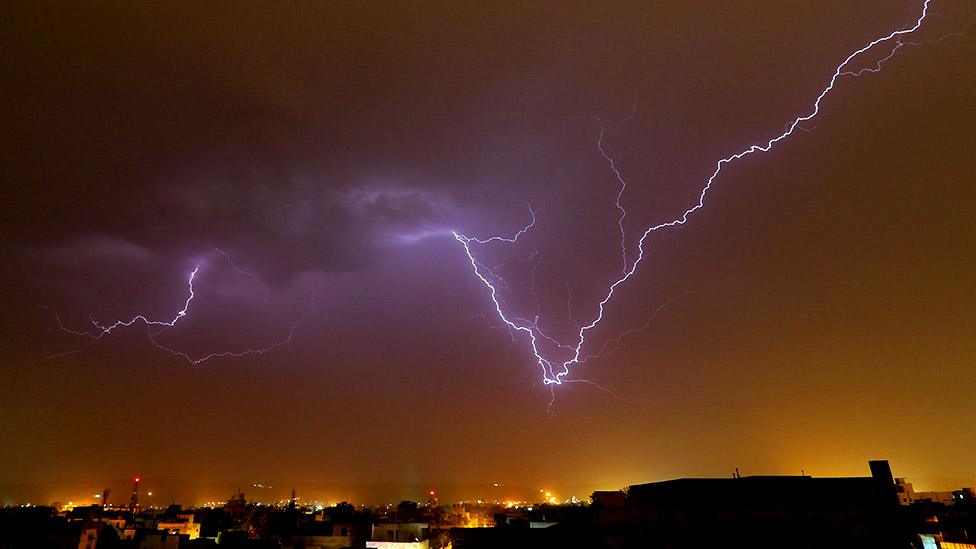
[{"x": 95, "y": 250}]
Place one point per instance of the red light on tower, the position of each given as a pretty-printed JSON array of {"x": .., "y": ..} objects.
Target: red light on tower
[{"x": 134, "y": 499}]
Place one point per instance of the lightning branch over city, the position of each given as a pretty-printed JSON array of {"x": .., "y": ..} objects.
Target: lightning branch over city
[{"x": 557, "y": 371}]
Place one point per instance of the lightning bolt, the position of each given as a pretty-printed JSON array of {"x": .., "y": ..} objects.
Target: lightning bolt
[
  {"x": 238, "y": 270},
  {"x": 509, "y": 239},
  {"x": 102, "y": 330},
  {"x": 620, "y": 178},
  {"x": 224, "y": 354},
  {"x": 556, "y": 372},
  {"x": 105, "y": 330}
]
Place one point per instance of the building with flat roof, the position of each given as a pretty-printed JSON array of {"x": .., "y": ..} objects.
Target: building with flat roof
[{"x": 757, "y": 511}]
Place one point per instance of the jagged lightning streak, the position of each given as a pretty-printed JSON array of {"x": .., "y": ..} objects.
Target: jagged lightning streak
[
  {"x": 225, "y": 354},
  {"x": 238, "y": 270},
  {"x": 516, "y": 324},
  {"x": 509, "y": 239},
  {"x": 554, "y": 371},
  {"x": 612, "y": 163},
  {"x": 104, "y": 330}
]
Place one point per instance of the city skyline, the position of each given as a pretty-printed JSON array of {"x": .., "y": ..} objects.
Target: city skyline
[{"x": 161, "y": 492}]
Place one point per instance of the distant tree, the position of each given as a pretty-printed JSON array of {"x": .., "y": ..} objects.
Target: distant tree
[{"x": 407, "y": 506}]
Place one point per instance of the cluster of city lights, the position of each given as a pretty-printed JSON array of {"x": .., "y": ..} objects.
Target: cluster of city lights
[{"x": 547, "y": 497}]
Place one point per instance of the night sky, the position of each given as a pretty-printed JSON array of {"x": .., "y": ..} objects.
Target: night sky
[{"x": 816, "y": 313}]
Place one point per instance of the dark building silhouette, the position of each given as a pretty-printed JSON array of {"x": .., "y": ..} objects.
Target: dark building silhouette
[{"x": 759, "y": 511}]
